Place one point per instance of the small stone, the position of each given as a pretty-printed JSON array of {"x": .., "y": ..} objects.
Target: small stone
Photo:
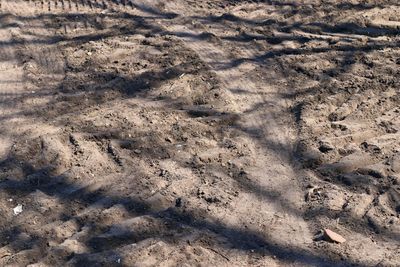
[
  {"x": 18, "y": 209},
  {"x": 333, "y": 237},
  {"x": 137, "y": 151}
]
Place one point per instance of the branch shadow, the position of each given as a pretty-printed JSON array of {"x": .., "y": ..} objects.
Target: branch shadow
[{"x": 103, "y": 87}]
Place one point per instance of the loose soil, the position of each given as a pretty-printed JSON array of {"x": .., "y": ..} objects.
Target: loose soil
[{"x": 199, "y": 133}]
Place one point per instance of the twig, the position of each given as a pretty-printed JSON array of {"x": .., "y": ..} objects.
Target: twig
[{"x": 219, "y": 253}]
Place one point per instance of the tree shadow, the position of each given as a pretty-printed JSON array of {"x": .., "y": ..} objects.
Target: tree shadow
[{"x": 102, "y": 87}]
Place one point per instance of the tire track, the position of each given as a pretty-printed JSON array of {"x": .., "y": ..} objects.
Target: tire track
[{"x": 261, "y": 109}]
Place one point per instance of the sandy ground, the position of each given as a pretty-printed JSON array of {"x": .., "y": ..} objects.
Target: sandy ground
[{"x": 199, "y": 133}]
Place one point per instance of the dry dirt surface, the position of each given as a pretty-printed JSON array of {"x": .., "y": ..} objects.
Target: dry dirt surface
[{"x": 199, "y": 132}]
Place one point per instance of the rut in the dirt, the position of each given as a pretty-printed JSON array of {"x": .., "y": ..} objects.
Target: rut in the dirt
[{"x": 181, "y": 133}]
